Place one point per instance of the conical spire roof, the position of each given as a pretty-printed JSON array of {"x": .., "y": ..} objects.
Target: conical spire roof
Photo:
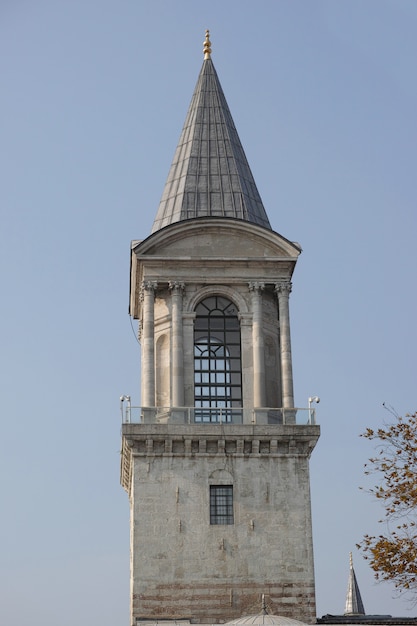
[
  {"x": 210, "y": 175},
  {"x": 354, "y": 604}
]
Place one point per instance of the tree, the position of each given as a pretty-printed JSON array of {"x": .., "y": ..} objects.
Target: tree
[{"x": 393, "y": 554}]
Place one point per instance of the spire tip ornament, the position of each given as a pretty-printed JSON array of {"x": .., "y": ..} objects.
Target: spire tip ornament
[{"x": 207, "y": 46}]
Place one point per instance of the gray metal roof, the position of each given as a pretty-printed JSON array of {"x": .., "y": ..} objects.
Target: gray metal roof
[
  {"x": 354, "y": 604},
  {"x": 265, "y": 620},
  {"x": 210, "y": 175}
]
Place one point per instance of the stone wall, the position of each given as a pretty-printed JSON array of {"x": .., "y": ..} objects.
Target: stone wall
[{"x": 184, "y": 567}]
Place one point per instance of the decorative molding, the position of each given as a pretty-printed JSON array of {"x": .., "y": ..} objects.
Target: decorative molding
[
  {"x": 221, "y": 446},
  {"x": 256, "y": 286},
  {"x": 147, "y": 286},
  {"x": 245, "y": 319},
  {"x": 284, "y": 288},
  {"x": 176, "y": 286}
]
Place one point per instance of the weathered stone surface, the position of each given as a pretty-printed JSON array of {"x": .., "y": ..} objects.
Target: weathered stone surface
[{"x": 183, "y": 567}]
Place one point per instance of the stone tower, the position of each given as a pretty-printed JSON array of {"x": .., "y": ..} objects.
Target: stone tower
[{"x": 216, "y": 460}]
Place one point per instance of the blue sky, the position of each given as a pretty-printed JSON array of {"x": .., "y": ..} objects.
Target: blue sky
[{"x": 94, "y": 95}]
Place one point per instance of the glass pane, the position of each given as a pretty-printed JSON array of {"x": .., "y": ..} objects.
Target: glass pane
[
  {"x": 234, "y": 351},
  {"x": 235, "y": 378},
  {"x": 205, "y": 306},
  {"x": 223, "y": 303},
  {"x": 201, "y": 323},
  {"x": 216, "y": 322},
  {"x": 200, "y": 337},
  {"x": 231, "y": 310},
  {"x": 218, "y": 351}
]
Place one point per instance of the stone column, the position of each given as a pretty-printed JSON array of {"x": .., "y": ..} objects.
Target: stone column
[
  {"x": 283, "y": 290},
  {"x": 259, "y": 396},
  {"x": 148, "y": 343},
  {"x": 177, "y": 354}
]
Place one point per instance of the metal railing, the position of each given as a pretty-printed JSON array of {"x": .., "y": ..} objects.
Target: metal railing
[{"x": 216, "y": 415}]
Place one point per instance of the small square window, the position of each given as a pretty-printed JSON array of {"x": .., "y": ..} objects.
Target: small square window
[{"x": 221, "y": 504}]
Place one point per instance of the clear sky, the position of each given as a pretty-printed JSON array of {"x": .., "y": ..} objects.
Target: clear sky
[{"x": 94, "y": 94}]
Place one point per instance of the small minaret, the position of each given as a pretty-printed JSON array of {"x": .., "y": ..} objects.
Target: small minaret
[
  {"x": 216, "y": 461},
  {"x": 354, "y": 604}
]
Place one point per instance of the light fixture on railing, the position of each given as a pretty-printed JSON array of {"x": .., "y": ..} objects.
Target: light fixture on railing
[
  {"x": 312, "y": 399},
  {"x": 122, "y": 400},
  {"x": 311, "y": 412}
]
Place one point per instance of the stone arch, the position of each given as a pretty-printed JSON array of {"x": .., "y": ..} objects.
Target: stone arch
[
  {"x": 221, "y": 477},
  {"x": 217, "y": 290}
]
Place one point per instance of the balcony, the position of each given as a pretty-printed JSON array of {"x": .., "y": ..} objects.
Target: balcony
[{"x": 216, "y": 415}]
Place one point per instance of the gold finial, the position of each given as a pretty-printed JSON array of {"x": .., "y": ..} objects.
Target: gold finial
[{"x": 207, "y": 46}]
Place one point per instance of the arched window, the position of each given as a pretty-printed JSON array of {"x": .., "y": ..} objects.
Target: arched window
[{"x": 217, "y": 362}]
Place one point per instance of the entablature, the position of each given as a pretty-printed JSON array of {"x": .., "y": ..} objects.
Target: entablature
[
  {"x": 214, "y": 440},
  {"x": 229, "y": 445}
]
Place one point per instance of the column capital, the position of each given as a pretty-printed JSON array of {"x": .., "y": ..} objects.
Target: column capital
[
  {"x": 256, "y": 286},
  {"x": 284, "y": 287},
  {"x": 148, "y": 286},
  {"x": 176, "y": 286}
]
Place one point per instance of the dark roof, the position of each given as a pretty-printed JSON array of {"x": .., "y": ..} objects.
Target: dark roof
[
  {"x": 210, "y": 175},
  {"x": 382, "y": 620}
]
